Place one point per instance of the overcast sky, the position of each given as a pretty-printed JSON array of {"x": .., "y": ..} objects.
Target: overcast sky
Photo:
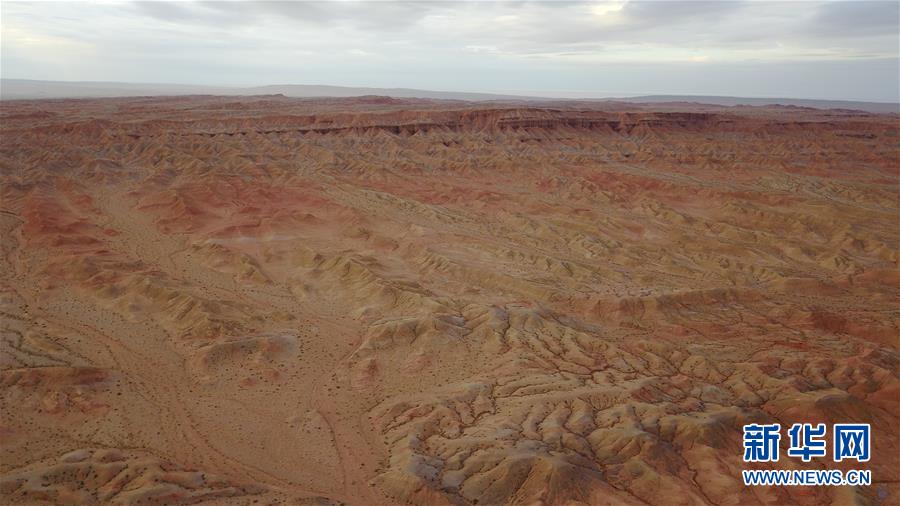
[{"x": 797, "y": 49}]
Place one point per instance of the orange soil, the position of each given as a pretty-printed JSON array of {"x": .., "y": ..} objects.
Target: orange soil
[{"x": 378, "y": 301}]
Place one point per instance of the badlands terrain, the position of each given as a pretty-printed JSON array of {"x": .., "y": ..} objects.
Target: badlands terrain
[{"x": 367, "y": 301}]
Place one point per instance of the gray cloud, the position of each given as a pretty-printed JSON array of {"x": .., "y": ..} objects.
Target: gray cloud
[
  {"x": 368, "y": 15},
  {"x": 661, "y": 13},
  {"x": 469, "y": 45},
  {"x": 857, "y": 19}
]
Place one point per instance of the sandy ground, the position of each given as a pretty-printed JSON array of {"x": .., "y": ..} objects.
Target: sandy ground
[{"x": 371, "y": 301}]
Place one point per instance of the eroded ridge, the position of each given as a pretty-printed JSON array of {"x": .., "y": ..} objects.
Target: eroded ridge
[{"x": 379, "y": 301}]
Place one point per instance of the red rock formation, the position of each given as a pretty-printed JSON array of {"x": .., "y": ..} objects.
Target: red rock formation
[{"x": 381, "y": 301}]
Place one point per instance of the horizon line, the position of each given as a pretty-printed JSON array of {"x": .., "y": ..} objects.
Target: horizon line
[{"x": 513, "y": 94}]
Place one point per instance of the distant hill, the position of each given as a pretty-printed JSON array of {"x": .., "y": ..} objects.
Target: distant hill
[
  {"x": 876, "y": 107},
  {"x": 17, "y": 89},
  {"x": 305, "y": 90},
  {"x": 27, "y": 89}
]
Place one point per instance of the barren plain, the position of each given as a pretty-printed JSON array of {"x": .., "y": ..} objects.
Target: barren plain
[{"x": 367, "y": 301}]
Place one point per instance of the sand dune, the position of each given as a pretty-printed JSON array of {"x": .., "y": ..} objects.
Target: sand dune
[{"x": 383, "y": 301}]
